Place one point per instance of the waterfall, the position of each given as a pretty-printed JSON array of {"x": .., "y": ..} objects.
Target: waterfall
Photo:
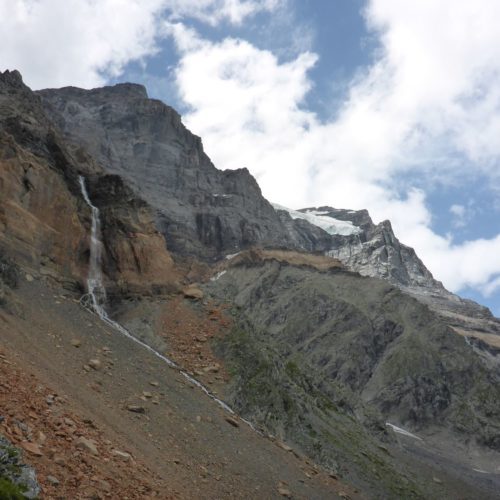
[
  {"x": 97, "y": 294},
  {"x": 96, "y": 289}
]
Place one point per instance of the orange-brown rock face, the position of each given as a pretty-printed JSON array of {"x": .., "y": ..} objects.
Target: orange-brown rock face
[
  {"x": 39, "y": 223},
  {"x": 44, "y": 220},
  {"x": 141, "y": 263},
  {"x": 136, "y": 259},
  {"x": 47, "y": 228}
]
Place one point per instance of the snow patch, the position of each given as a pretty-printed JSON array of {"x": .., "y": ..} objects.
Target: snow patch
[
  {"x": 481, "y": 471},
  {"x": 231, "y": 255},
  {"x": 402, "y": 431},
  {"x": 218, "y": 275},
  {"x": 323, "y": 221}
]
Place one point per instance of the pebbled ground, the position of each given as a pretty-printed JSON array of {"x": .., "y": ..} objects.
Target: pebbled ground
[{"x": 182, "y": 446}]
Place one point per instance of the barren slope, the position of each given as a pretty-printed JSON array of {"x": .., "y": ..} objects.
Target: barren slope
[{"x": 184, "y": 439}]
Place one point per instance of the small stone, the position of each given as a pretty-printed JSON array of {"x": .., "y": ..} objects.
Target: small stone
[
  {"x": 437, "y": 480},
  {"x": 212, "y": 368},
  {"x": 41, "y": 437},
  {"x": 87, "y": 444},
  {"x": 147, "y": 394},
  {"x": 154, "y": 383},
  {"x": 284, "y": 492},
  {"x": 95, "y": 364},
  {"x": 86, "y": 368},
  {"x": 232, "y": 421},
  {"x": 32, "y": 448},
  {"x": 193, "y": 292},
  {"x": 136, "y": 409},
  {"x": 29, "y": 278},
  {"x": 76, "y": 343},
  {"x": 284, "y": 446},
  {"x": 53, "y": 480},
  {"x": 122, "y": 455},
  {"x": 105, "y": 486},
  {"x": 49, "y": 399},
  {"x": 59, "y": 460}
]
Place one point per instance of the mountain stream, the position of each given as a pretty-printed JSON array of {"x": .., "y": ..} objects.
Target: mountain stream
[{"x": 97, "y": 296}]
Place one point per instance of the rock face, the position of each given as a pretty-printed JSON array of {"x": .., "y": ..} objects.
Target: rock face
[
  {"x": 375, "y": 251},
  {"x": 14, "y": 473},
  {"x": 207, "y": 213},
  {"x": 38, "y": 189},
  {"x": 361, "y": 343},
  {"x": 44, "y": 221},
  {"x": 202, "y": 211},
  {"x": 136, "y": 261}
]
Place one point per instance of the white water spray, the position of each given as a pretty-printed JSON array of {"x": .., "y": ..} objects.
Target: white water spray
[
  {"x": 97, "y": 294},
  {"x": 96, "y": 289}
]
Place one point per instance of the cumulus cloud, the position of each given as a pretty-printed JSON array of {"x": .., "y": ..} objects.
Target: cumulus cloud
[
  {"x": 427, "y": 106},
  {"x": 214, "y": 11},
  {"x": 75, "y": 42},
  {"x": 87, "y": 42}
]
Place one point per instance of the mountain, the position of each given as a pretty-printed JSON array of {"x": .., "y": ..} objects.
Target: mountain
[
  {"x": 357, "y": 373},
  {"x": 202, "y": 211}
]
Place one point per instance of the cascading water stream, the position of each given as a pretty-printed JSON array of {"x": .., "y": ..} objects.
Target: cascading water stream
[
  {"x": 97, "y": 294},
  {"x": 96, "y": 290}
]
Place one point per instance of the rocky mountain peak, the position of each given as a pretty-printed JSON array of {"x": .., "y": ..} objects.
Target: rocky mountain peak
[
  {"x": 202, "y": 211},
  {"x": 11, "y": 78}
]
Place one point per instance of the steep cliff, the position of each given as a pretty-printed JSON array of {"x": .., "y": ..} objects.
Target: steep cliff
[
  {"x": 203, "y": 211},
  {"x": 44, "y": 221}
]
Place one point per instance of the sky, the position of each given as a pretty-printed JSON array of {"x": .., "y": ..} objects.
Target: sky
[{"x": 389, "y": 105}]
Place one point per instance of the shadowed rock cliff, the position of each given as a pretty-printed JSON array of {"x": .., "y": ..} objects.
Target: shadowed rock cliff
[{"x": 202, "y": 211}]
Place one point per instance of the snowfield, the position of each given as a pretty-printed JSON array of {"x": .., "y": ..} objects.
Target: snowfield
[{"x": 322, "y": 220}]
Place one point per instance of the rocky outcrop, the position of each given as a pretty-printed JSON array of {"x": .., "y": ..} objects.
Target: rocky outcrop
[
  {"x": 136, "y": 261},
  {"x": 39, "y": 225},
  {"x": 203, "y": 211},
  {"x": 375, "y": 251},
  {"x": 44, "y": 220},
  {"x": 17, "y": 480}
]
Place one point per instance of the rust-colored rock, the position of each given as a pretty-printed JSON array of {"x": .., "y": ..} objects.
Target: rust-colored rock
[
  {"x": 192, "y": 292},
  {"x": 32, "y": 448}
]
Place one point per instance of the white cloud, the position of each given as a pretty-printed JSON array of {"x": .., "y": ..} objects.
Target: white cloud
[
  {"x": 214, "y": 11},
  {"x": 461, "y": 215},
  {"x": 427, "y": 106},
  {"x": 443, "y": 59},
  {"x": 75, "y": 42},
  {"x": 85, "y": 42}
]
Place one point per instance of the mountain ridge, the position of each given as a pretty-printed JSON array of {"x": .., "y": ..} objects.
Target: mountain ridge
[{"x": 308, "y": 341}]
